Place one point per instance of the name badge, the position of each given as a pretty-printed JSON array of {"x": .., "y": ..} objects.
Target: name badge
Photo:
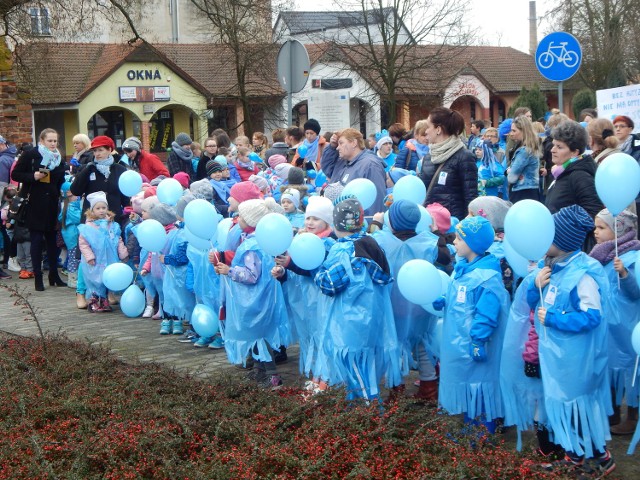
[
  {"x": 345, "y": 179},
  {"x": 462, "y": 294},
  {"x": 550, "y": 297},
  {"x": 92, "y": 177},
  {"x": 442, "y": 179}
]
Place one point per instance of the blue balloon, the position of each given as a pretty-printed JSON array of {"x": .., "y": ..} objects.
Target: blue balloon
[
  {"x": 424, "y": 225},
  {"x": 302, "y": 151},
  {"x": 618, "y": 181},
  {"x": 419, "y": 282},
  {"x": 518, "y": 263},
  {"x": 312, "y": 174},
  {"x": 117, "y": 276},
  {"x": 321, "y": 179},
  {"x": 254, "y": 157},
  {"x": 635, "y": 338},
  {"x": 529, "y": 229},
  {"x": 201, "y": 218},
  {"x": 195, "y": 241},
  {"x": 151, "y": 235},
  {"x": 274, "y": 234},
  {"x": 638, "y": 263},
  {"x": 222, "y": 232},
  {"x": 446, "y": 281},
  {"x": 130, "y": 183},
  {"x": 410, "y": 188},
  {"x": 307, "y": 251},
  {"x": 204, "y": 320},
  {"x": 169, "y": 191},
  {"x": 363, "y": 189},
  {"x": 132, "y": 302}
]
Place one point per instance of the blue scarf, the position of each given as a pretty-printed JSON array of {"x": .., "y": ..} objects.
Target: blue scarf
[
  {"x": 312, "y": 149},
  {"x": 50, "y": 160},
  {"x": 421, "y": 149},
  {"x": 103, "y": 166},
  {"x": 221, "y": 189}
]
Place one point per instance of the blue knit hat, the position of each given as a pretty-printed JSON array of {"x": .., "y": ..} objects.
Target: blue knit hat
[
  {"x": 404, "y": 215},
  {"x": 573, "y": 223},
  {"x": 476, "y": 232}
]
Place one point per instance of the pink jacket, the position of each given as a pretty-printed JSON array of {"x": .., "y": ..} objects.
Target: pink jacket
[
  {"x": 530, "y": 353},
  {"x": 88, "y": 254}
]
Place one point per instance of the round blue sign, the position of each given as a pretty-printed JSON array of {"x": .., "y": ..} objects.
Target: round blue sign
[{"x": 558, "y": 56}]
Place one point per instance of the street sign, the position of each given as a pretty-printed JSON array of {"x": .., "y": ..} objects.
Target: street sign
[
  {"x": 558, "y": 56},
  {"x": 293, "y": 66}
]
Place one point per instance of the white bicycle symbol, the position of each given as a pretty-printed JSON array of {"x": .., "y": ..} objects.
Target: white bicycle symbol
[{"x": 568, "y": 57}]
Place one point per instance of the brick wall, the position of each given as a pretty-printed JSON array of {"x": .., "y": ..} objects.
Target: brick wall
[{"x": 15, "y": 108}]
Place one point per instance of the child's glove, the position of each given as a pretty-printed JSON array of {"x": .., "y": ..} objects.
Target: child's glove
[
  {"x": 532, "y": 369},
  {"x": 438, "y": 304},
  {"x": 477, "y": 351}
]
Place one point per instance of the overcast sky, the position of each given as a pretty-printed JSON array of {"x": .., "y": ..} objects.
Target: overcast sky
[{"x": 501, "y": 22}]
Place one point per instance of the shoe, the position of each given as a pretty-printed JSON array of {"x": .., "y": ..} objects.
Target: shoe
[
  {"x": 628, "y": 427},
  {"x": 5, "y": 276},
  {"x": 158, "y": 315},
  {"x": 72, "y": 280},
  {"x": 189, "y": 337},
  {"x": 567, "y": 464},
  {"x": 165, "y": 327},
  {"x": 104, "y": 305},
  {"x": 24, "y": 275},
  {"x": 428, "y": 390},
  {"x": 280, "y": 356},
  {"x": 39, "y": 285},
  {"x": 81, "y": 302},
  {"x": 248, "y": 365},
  {"x": 271, "y": 382},
  {"x": 604, "y": 465},
  {"x": 113, "y": 298},
  {"x": 176, "y": 327},
  {"x": 55, "y": 280},
  {"x": 203, "y": 342},
  {"x": 217, "y": 343},
  {"x": 148, "y": 312},
  {"x": 94, "y": 304},
  {"x": 13, "y": 265}
]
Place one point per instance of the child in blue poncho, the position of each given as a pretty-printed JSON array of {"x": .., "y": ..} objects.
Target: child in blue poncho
[
  {"x": 475, "y": 319},
  {"x": 69, "y": 219},
  {"x": 290, "y": 202},
  {"x": 414, "y": 325},
  {"x": 257, "y": 322},
  {"x": 625, "y": 313},
  {"x": 360, "y": 337},
  {"x": 570, "y": 296}
]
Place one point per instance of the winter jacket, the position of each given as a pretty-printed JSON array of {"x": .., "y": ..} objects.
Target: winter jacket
[
  {"x": 278, "y": 148},
  {"x": 457, "y": 183},
  {"x": 176, "y": 164},
  {"x": 408, "y": 157},
  {"x": 6, "y": 160},
  {"x": 575, "y": 186},
  {"x": 150, "y": 165}
]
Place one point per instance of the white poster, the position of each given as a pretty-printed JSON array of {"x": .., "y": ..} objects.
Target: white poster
[
  {"x": 330, "y": 108},
  {"x": 620, "y": 101}
]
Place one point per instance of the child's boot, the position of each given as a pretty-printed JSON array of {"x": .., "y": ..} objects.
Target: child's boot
[
  {"x": 176, "y": 327},
  {"x": 93, "y": 304},
  {"x": 105, "y": 306},
  {"x": 159, "y": 314},
  {"x": 165, "y": 327},
  {"x": 148, "y": 310},
  {"x": 428, "y": 390},
  {"x": 628, "y": 427},
  {"x": 81, "y": 302},
  {"x": 113, "y": 299}
]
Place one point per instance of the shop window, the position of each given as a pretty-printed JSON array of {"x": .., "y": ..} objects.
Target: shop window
[
  {"x": 109, "y": 123},
  {"x": 161, "y": 132},
  {"x": 472, "y": 108},
  {"x": 40, "y": 24},
  {"x": 218, "y": 118}
]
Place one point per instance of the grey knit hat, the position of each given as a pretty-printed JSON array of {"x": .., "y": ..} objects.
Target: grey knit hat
[
  {"x": 492, "y": 208},
  {"x": 202, "y": 189},
  {"x": 149, "y": 202},
  {"x": 132, "y": 143},
  {"x": 183, "y": 139},
  {"x": 295, "y": 176},
  {"x": 163, "y": 213},
  {"x": 183, "y": 202}
]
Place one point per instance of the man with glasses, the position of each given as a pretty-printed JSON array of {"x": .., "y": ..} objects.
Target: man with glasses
[{"x": 145, "y": 163}]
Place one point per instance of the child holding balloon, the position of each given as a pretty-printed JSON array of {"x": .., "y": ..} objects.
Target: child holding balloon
[
  {"x": 290, "y": 202},
  {"x": 101, "y": 245},
  {"x": 569, "y": 296},
  {"x": 150, "y": 291},
  {"x": 619, "y": 264}
]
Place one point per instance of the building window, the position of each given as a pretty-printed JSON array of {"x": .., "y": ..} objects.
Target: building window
[{"x": 39, "y": 21}]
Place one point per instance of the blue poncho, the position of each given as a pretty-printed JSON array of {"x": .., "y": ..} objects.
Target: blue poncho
[
  {"x": 206, "y": 284},
  {"x": 104, "y": 245},
  {"x": 178, "y": 301}
]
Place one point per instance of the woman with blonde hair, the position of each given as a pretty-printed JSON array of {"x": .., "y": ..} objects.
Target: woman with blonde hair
[
  {"x": 82, "y": 152},
  {"x": 602, "y": 139},
  {"x": 524, "y": 172}
]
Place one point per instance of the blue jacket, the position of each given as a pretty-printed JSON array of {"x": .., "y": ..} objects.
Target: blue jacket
[
  {"x": 6, "y": 160},
  {"x": 72, "y": 220},
  {"x": 525, "y": 170}
]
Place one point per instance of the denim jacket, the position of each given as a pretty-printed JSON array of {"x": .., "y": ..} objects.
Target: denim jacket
[{"x": 525, "y": 170}]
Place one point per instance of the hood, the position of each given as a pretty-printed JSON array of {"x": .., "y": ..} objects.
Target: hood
[{"x": 487, "y": 261}]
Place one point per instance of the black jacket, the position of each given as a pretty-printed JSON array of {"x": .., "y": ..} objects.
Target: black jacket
[
  {"x": 457, "y": 182},
  {"x": 575, "y": 186},
  {"x": 44, "y": 198}
]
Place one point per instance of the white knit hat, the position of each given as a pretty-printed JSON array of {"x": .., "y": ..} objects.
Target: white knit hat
[
  {"x": 97, "y": 197},
  {"x": 320, "y": 207},
  {"x": 292, "y": 195},
  {"x": 253, "y": 210}
]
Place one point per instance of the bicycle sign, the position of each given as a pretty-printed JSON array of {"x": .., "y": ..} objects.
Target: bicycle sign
[{"x": 558, "y": 56}]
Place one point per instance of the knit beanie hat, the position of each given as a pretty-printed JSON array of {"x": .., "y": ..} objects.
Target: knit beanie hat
[
  {"x": 132, "y": 143},
  {"x": 156, "y": 181},
  {"x": 624, "y": 222},
  {"x": 213, "y": 166},
  {"x": 222, "y": 160},
  {"x": 136, "y": 202},
  {"x": 97, "y": 197},
  {"x": 477, "y": 233},
  {"x": 253, "y": 210},
  {"x": 382, "y": 141},
  {"x": 573, "y": 223},
  {"x": 404, "y": 215},
  {"x": 243, "y": 191},
  {"x": 275, "y": 160},
  {"x": 183, "y": 202},
  {"x": 348, "y": 214},
  {"x": 295, "y": 176},
  {"x": 260, "y": 182},
  {"x": 492, "y": 208},
  {"x": 202, "y": 189},
  {"x": 149, "y": 203},
  {"x": 150, "y": 192},
  {"x": 292, "y": 195},
  {"x": 183, "y": 179},
  {"x": 163, "y": 213},
  {"x": 282, "y": 170},
  {"x": 312, "y": 124},
  {"x": 183, "y": 139},
  {"x": 441, "y": 216},
  {"x": 333, "y": 191},
  {"x": 320, "y": 207}
]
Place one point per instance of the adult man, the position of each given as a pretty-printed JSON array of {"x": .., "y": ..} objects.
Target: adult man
[
  {"x": 279, "y": 146},
  {"x": 146, "y": 163},
  {"x": 7, "y": 157},
  {"x": 476, "y": 133}
]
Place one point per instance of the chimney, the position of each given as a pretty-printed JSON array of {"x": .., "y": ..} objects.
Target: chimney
[{"x": 533, "y": 28}]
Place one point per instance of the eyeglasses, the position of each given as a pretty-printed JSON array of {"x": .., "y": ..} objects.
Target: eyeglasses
[
  {"x": 210, "y": 146},
  {"x": 620, "y": 125}
]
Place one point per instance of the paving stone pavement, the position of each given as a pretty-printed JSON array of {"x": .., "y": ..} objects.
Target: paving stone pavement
[{"x": 130, "y": 339}]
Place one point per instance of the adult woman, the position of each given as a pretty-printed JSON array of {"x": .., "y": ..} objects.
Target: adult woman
[
  {"x": 414, "y": 148},
  {"x": 602, "y": 140},
  {"x": 629, "y": 142},
  {"x": 524, "y": 172},
  {"x": 82, "y": 152},
  {"x": 102, "y": 175},
  {"x": 449, "y": 170},
  {"x": 384, "y": 151},
  {"x": 209, "y": 152},
  {"x": 41, "y": 173}
]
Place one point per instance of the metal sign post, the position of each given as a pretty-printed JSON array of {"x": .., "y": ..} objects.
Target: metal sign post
[
  {"x": 558, "y": 58},
  {"x": 293, "y": 71}
]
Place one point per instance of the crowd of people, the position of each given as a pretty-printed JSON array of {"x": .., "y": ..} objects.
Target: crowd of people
[{"x": 546, "y": 349}]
